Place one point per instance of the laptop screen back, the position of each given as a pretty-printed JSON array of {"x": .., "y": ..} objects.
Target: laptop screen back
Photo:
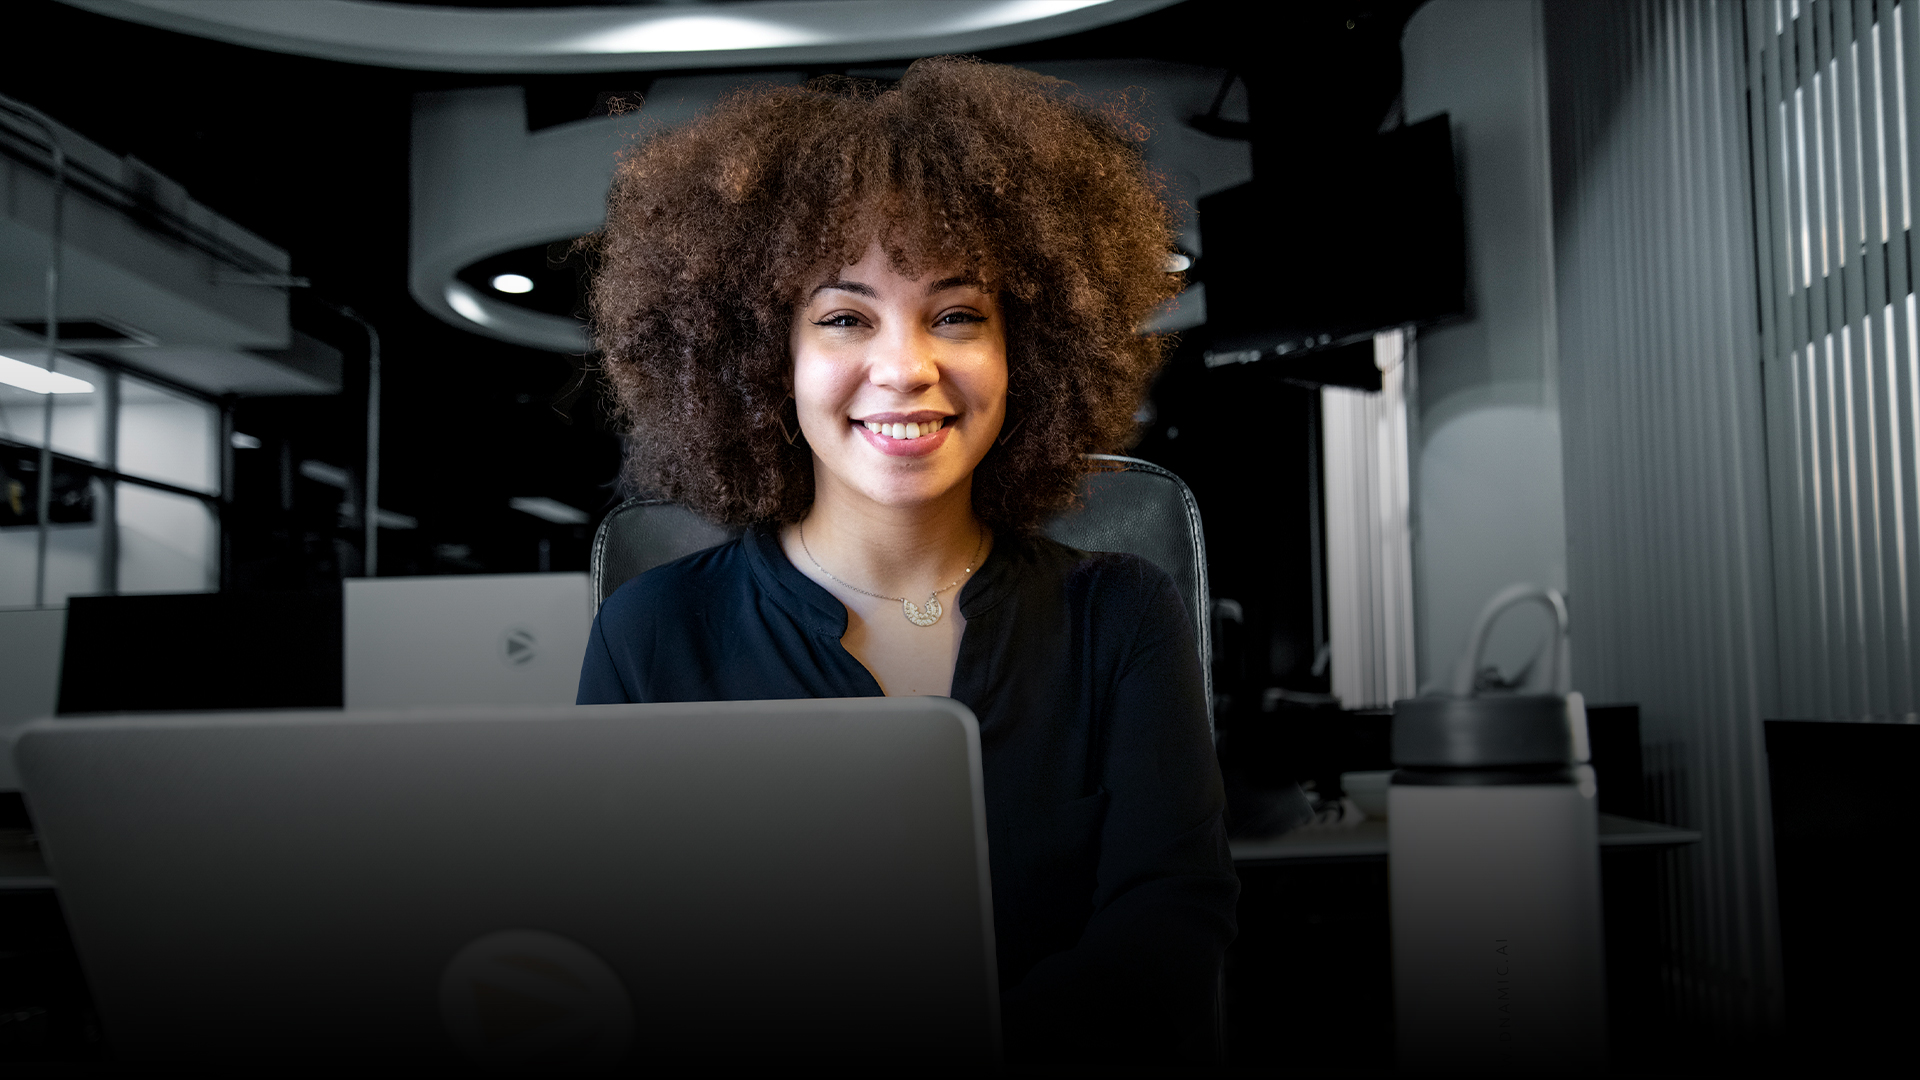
[
  {"x": 719, "y": 883},
  {"x": 493, "y": 639}
]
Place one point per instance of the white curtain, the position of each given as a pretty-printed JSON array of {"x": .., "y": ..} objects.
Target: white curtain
[{"x": 1369, "y": 544}]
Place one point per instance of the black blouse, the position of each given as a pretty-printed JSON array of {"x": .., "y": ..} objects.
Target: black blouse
[{"x": 1113, "y": 889}]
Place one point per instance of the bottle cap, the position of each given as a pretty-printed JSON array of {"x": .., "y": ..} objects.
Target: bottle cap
[{"x": 1484, "y": 732}]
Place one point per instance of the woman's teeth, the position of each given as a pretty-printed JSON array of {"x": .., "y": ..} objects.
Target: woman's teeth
[{"x": 904, "y": 431}]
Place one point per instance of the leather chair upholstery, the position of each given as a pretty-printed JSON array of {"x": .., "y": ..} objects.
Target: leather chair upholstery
[
  {"x": 641, "y": 534},
  {"x": 1128, "y": 505}
]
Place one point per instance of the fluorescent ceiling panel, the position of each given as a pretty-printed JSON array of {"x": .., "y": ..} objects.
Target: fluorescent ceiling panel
[
  {"x": 38, "y": 380},
  {"x": 623, "y": 38},
  {"x": 549, "y": 510}
]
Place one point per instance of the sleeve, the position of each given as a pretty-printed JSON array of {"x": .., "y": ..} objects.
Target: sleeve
[
  {"x": 600, "y": 682},
  {"x": 1142, "y": 982}
]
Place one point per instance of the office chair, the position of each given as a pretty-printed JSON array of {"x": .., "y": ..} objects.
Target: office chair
[{"x": 1127, "y": 505}]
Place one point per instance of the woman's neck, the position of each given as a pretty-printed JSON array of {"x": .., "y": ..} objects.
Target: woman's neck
[{"x": 894, "y": 551}]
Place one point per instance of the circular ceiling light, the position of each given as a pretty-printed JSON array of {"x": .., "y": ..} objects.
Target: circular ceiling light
[
  {"x": 623, "y": 37},
  {"x": 512, "y": 283}
]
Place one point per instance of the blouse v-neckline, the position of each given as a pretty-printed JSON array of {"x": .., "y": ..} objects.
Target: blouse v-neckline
[{"x": 822, "y": 614}]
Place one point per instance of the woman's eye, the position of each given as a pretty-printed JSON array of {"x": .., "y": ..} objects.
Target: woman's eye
[
  {"x": 838, "y": 320},
  {"x": 958, "y": 318}
]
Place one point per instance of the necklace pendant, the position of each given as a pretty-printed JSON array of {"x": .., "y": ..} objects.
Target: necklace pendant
[{"x": 926, "y": 616}]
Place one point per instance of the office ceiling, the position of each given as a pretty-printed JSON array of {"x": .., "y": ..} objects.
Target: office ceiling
[{"x": 546, "y": 38}]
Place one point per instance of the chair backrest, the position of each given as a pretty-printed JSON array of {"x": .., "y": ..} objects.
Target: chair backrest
[
  {"x": 1139, "y": 508},
  {"x": 641, "y": 534},
  {"x": 1127, "y": 505}
]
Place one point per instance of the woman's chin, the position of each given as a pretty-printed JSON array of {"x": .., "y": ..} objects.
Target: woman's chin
[
  {"x": 916, "y": 499},
  {"x": 919, "y": 491}
]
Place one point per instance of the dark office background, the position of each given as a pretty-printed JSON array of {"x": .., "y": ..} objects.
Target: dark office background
[{"x": 313, "y": 156}]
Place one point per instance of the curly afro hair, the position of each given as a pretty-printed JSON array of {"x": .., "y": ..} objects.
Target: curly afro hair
[{"x": 716, "y": 231}]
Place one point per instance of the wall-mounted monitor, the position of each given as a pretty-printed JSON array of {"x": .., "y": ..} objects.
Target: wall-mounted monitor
[{"x": 1328, "y": 247}]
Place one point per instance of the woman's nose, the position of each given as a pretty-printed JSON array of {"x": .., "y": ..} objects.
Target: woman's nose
[{"x": 903, "y": 362}]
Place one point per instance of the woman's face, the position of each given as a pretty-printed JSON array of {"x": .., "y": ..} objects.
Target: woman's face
[{"x": 901, "y": 383}]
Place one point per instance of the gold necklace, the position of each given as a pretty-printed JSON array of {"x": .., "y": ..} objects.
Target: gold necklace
[{"x": 918, "y": 616}]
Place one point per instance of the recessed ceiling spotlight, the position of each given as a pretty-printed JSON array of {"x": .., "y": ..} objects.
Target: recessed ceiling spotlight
[{"x": 512, "y": 283}]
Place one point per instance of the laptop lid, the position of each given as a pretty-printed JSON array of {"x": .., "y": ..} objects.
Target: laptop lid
[
  {"x": 479, "y": 639},
  {"x": 709, "y": 884}
]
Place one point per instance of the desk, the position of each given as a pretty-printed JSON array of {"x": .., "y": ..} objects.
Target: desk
[
  {"x": 1309, "y": 982},
  {"x": 1368, "y": 840},
  {"x": 1310, "y": 979},
  {"x": 21, "y": 866}
]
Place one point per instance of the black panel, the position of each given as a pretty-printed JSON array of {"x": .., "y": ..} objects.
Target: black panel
[
  {"x": 1355, "y": 238},
  {"x": 1846, "y": 814},
  {"x": 47, "y": 1014},
  {"x": 202, "y": 651},
  {"x": 1309, "y": 981},
  {"x": 1614, "y": 734}
]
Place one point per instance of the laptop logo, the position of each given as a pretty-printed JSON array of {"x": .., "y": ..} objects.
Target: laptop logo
[
  {"x": 528, "y": 998},
  {"x": 519, "y": 644}
]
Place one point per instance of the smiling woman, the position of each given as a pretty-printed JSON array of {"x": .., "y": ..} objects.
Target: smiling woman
[
  {"x": 718, "y": 232},
  {"x": 880, "y": 329}
]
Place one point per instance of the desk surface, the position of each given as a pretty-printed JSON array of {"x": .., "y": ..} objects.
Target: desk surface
[
  {"x": 21, "y": 866},
  {"x": 1368, "y": 840}
]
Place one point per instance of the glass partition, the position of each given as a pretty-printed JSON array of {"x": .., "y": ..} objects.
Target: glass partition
[
  {"x": 17, "y": 555},
  {"x": 79, "y": 404},
  {"x": 168, "y": 437},
  {"x": 168, "y": 542},
  {"x": 165, "y": 541},
  {"x": 73, "y": 543}
]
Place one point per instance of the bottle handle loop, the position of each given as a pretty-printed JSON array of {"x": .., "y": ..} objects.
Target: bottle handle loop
[{"x": 1559, "y": 673}]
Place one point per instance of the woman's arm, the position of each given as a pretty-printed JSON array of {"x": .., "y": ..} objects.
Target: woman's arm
[
  {"x": 600, "y": 682},
  {"x": 1142, "y": 981}
]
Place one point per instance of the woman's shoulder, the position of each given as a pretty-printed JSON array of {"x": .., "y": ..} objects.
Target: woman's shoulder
[
  {"x": 691, "y": 581},
  {"x": 1107, "y": 584},
  {"x": 1125, "y": 604},
  {"x": 1104, "y": 569}
]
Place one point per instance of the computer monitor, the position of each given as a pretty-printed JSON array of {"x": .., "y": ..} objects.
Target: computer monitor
[
  {"x": 754, "y": 884},
  {"x": 201, "y": 651}
]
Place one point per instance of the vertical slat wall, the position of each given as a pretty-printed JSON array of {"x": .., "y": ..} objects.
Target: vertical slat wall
[
  {"x": 1836, "y": 99},
  {"x": 1663, "y": 427}
]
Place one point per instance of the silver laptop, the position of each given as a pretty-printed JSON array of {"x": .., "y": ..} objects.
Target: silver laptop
[
  {"x": 721, "y": 884},
  {"x": 467, "y": 639}
]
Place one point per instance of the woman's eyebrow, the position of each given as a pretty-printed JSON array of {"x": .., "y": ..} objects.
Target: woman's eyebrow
[
  {"x": 848, "y": 286},
  {"x": 954, "y": 283}
]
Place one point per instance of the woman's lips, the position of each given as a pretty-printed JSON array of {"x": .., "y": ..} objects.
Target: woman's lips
[{"x": 892, "y": 447}]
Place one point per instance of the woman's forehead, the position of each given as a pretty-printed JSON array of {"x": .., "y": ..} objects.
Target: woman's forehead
[{"x": 913, "y": 255}]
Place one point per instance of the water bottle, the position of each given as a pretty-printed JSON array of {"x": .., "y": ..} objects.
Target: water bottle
[{"x": 1494, "y": 869}]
